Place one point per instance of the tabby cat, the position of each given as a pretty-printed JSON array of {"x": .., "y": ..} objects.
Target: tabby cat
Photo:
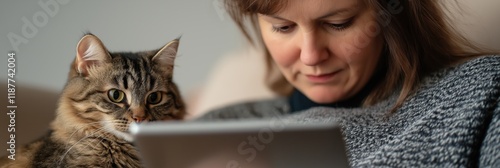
[{"x": 104, "y": 94}]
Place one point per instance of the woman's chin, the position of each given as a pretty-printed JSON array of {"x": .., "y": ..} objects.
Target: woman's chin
[{"x": 324, "y": 95}]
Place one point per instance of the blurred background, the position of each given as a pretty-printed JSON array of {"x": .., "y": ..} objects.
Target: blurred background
[
  {"x": 45, "y": 52},
  {"x": 214, "y": 66}
]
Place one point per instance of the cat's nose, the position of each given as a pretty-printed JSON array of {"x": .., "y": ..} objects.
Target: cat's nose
[
  {"x": 138, "y": 116},
  {"x": 138, "y": 119}
]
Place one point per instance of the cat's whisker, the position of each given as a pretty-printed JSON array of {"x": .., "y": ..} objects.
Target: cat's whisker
[
  {"x": 117, "y": 124},
  {"x": 82, "y": 127},
  {"x": 98, "y": 136},
  {"x": 91, "y": 124},
  {"x": 93, "y": 133}
]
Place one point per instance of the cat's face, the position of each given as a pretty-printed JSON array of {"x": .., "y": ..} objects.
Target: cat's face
[{"x": 113, "y": 90}]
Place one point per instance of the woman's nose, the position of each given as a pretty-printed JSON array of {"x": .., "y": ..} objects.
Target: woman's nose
[{"x": 313, "y": 49}]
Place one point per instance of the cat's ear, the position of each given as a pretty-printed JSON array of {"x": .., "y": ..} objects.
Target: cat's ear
[
  {"x": 165, "y": 57},
  {"x": 90, "y": 53}
]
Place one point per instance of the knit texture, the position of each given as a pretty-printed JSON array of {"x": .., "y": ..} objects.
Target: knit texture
[{"x": 453, "y": 120}]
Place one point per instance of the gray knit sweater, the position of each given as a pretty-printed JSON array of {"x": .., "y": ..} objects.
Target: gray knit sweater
[{"x": 453, "y": 120}]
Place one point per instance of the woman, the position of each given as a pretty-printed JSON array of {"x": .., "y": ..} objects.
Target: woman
[{"x": 407, "y": 89}]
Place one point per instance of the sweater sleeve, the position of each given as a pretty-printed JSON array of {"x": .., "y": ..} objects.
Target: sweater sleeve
[{"x": 490, "y": 149}]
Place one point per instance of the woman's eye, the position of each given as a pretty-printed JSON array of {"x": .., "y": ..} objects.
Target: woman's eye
[
  {"x": 116, "y": 95},
  {"x": 340, "y": 27},
  {"x": 154, "y": 98},
  {"x": 282, "y": 29}
]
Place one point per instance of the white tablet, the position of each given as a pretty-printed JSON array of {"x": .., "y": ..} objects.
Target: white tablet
[{"x": 240, "y": 144}]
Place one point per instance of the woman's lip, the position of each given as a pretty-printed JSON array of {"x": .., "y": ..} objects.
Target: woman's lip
[{"x": 322, "y": 78}]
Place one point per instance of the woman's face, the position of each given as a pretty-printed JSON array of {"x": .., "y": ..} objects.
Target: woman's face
[{"x": 327, "y": 49}]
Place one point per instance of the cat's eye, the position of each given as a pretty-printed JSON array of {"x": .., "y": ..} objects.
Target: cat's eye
[
  {"x": 116, "y": 96},
  {"x": 154, "y": 98}
]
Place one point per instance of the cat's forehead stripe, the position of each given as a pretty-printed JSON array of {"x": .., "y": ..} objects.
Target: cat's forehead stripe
[
  {"x": 125, "y": 82},
  {"x": 152, "y": 82},
  {"x": 115, "y": 81},
  {"x": 124, "y": 63},
  {"x": 132, "y": 67},
  {"x": 147, "y": 65},
  {"x": 136, "y": 68}
]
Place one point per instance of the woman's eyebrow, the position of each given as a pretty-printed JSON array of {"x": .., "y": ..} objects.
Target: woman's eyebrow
[
  {"x": 275, "y": 17},
  {"x": 337, "y": 12},
  {"x": 341, "y": 11},
  {"x": 330, "y": 14}
]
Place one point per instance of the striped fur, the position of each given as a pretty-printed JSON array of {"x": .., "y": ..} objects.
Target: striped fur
[{"x": 91, "y": 130}]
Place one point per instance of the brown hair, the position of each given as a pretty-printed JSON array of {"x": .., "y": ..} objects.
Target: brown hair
[{"x": 418, "y": 35}]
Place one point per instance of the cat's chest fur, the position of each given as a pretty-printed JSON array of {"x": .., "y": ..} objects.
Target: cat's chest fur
[{"x": 93, "y": 151}]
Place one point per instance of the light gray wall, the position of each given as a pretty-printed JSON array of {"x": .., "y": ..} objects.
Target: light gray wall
[{"x": 123, "y": 25}]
